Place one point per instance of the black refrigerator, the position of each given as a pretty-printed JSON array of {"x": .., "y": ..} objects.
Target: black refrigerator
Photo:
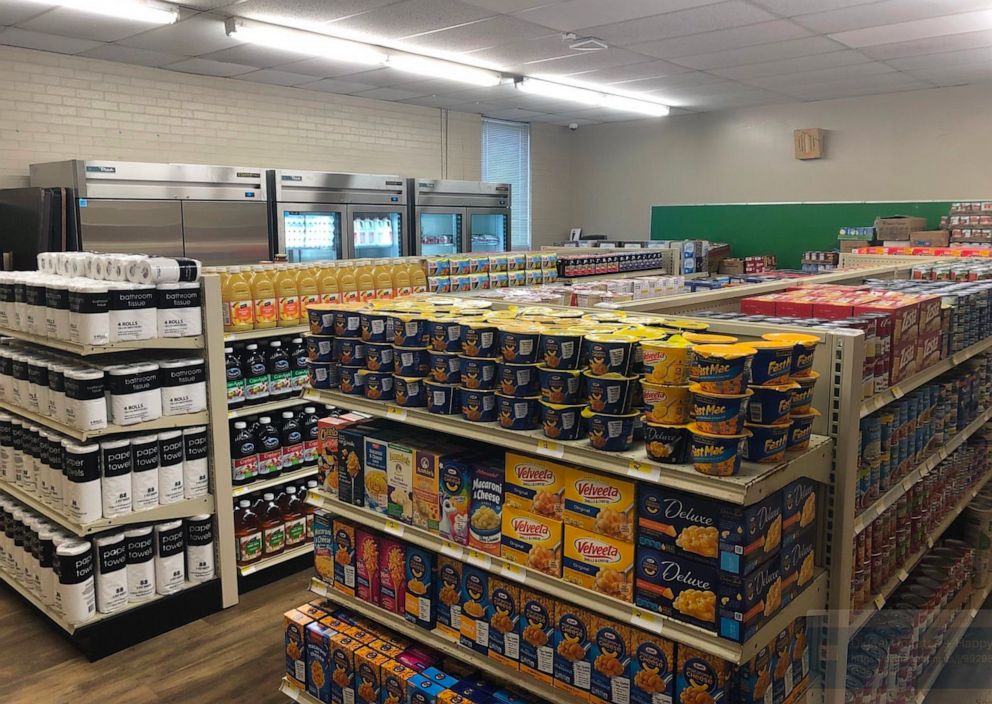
[{"x": 35, "y": 220}]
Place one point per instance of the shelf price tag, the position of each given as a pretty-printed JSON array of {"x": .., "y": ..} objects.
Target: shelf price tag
[
  {"x": 647, "y": 620},
  {"x": 514, "y": 572},
  {"x": 451, "y": 550},
  {"x": 879, "y": 602},
  {"x": 903, "y": 575},
  {"x": 479, "y": 559},
  {"x": 396, "y": 413},
  {"x": 929, "y": 541},
  {"x": 550, "y": 448},
  {"x": 393, "y": 528},
  {"x": 907, "y": 484},
  {"x": 643, "y": 471}
]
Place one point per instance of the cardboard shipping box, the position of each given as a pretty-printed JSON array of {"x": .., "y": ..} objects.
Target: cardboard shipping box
[
  {"x": 732, "y": 266},
  {"x": 847, "y": 246},
  {"x": 930, "y": 238},
  {"x": 898, "y": 227}
]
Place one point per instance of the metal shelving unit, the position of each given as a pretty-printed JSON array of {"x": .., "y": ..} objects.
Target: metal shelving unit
[
  {"x": 269, "y": 407},
  {"x": 284, "y": 556},
  {"x": 164, "y": 423},
  {"x": 249, "y": 335},
  {"x": 244, "y": 489},
  {"x": 156, "y": 343}
]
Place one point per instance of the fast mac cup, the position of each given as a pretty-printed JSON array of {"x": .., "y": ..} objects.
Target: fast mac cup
[
  {"x": 767, "y": 443},
  {"x": 716, "y": 455},
  {"x": 721, "y": 369},
  {"x": 773, "y": 362},
  {"x": 804, "y": 345},
  {"x": 719, "y": 414},
  {"x": 771, "y": 405}
]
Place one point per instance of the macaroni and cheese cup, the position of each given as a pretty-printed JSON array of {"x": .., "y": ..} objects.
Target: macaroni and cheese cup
[
  {"x": 609, "y": 353},
  {"x": 767, "y": 443},
  {"x": 771, "y": 405},
  {"x": 322, "y": 375},
  {"x": 320, "y": 348},
  {"x": 351, "y": 381},
  {"x": 666, "y": 404},
  {"x": 320, "y": 317},
  {"x": 379, "y": 356},
  {"x": 802, "y": 398},
  {"x": 702, "y": 338},
  {"x": 560, "y": 348},
  {"x": 445, "y": 367},
  {"x": 477, "y": 372},
  {"x": 686, "y": 325},
  {"x": 409, "y": 329},
  {"x": 559, "y": 385},
  {"x": 611, "y": 393},
  {"x": 347, "y": 321},
  {"x": 517, "y": 379},
  {"x": 721, "y": 369},
  {"x": 348, "y": 352},
  {"x": 410, "y": 391},
  {"x": 666, "y": 361},
  {"x": 562, "y": 422},
  {"x": 666, "y": 443},
  {"x": 802, "y": 429},
  {"x": 373, "y": 325},
  {"x": 478, "y": 405},
  {"x": 518, "y": 344},
  {"x": 719, "y": 414},
  {"x": 378, "y": 385},
  {"x": 479, "y": 338},
  {"x": 716, "y": 455},
  {"x": 442, "y": 398},
  {"x": 444, "y": 334},
  {"x": 804, "y": 345},
  {"x": 411, "y": 361},
  {"x": 772, "y": 364},
  {"x": 518, "y": 413},
  {"x": 609, "y": 432}
]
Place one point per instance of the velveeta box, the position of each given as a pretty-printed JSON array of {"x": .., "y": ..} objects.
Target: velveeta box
[
  {"x": 295, "y": 630},
  {"x": 534, "y": 277},
  {"x": 534, "y": 485},
  {"x": 497, "y": 263},
  {"x": 392, "y": 575},
  {"x": 504, "y": 622},
  {"x": 475, "y": 611},
  {"x": 516, "y": 261},
  {"x": 343, "y": 649},
  {"x": 449, "y": 597},
  {"x": 439, "y": 284},
  {"x": 344, "y": 556},
  {"x": 324, "y": 554},
  {"x": 395, "y": 682},
  {"x": 737, "y": 539},
  {"x": 368, "y": 675},
  {"x": 531, "y": 540},
  {"x": 319, "y": 667},
  {"x": 420, "y": 587},
  {"x": 798, "y": 508},
  {"x": 599, "y": 563},
  {"x": 537, "y": 627},
  {"x": 610, "y": 654},
  {"x": 601, "y": 504},
  {"x": 702, "y": 678},
  {"x": 399, "y": 481},
  {"x": 367, "y": 574},
  {"x": 652, "y": 668},
  {"x": 573, "y": 649},
  {"x": 798, "y": 564}
]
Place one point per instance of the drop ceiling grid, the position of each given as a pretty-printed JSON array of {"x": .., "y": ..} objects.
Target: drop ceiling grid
[{"x": 697, "y": 55}]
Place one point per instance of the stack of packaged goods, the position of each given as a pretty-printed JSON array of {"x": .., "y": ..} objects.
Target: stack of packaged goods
[
  {"x": 969, "y": 223},
  {"x": 477, "y": 272},
  {"x": 592, "y": 293},
  {"x": 260, "y": 372},
  {"x": 267, "y": 524},
  {"x": 576, "y": 266},
  {"x": 264, "y": 447}
]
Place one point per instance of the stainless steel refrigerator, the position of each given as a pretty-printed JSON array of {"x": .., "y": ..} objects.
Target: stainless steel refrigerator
[
  {"x": 316, "y": 215},
  {"x": 216, "y": 214},
  {"x": 452, "y": 217}
]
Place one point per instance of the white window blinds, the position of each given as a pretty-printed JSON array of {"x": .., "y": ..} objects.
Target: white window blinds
[{"x": 506, "y": 159}]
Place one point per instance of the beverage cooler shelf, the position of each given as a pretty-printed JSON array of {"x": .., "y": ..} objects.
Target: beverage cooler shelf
[
  {"x": 155, "y": 343},
  {"x": 164, "y": 423}
]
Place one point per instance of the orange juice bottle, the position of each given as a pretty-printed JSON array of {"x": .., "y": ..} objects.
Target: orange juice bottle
[
  {"x": 239, "y": 314},
  {"x": 383, "y": 276},
  {"x": 348, "y": 283},
  {"x": 288, "y": 296},
  {"x": 327, "y": 283},
  {"x": 263, "y": 293},
  {"x": 365, "y": 278},
  {"x": 418, "y": 279},
  {"x": 402, "y": 284},
  {"x": 306, "y": 280}
]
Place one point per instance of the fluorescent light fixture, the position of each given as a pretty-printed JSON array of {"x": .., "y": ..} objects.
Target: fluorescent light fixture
[
  {"x": 588, "y": 96},
  {"x": 446, "y": 70},
  {"x": 303, "y": 42},
  {"x": 138, "y": 10}
]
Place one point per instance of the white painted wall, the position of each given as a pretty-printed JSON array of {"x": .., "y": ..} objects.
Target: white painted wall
[{"x": 921, "y": 145}]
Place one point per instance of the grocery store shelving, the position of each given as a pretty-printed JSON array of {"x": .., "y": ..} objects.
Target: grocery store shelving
[
  {"x": 296, "y": 692},
  {"x": 754, "y": 482},
  {"x": 283, "y": 478},
  {"x": 155, "y": 343},
  {"x": 284, "y": 556},
  {"x": 896, "y": 392},
  {"x": 262, "y": 333},
  {"x": 813, "y": 597},
  {"x": 268, "y": 407},
  {"x": 168, "y": 512},
  {"x": 546, "y": 692},
  {"x": 164, "y": 423}
]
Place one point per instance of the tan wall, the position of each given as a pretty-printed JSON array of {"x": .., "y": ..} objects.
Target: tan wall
[
  {"x": 921, "y": 145},
  {"x": 551, "y": 180}
]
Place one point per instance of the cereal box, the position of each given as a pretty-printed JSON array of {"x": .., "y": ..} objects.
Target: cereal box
[
  {"x": 798, "y": 562},
  {"x": 319, "y": 668},
  {"x": 440, "y": 677},
  {"x": 368, "y": 675},
  {"x": 351, "y": 465},
  {"x": 392, "y": 575},
  {"x": 600, "y": 504},
  {"x": 399, "y": 479},
  {"x": 295, "y": 629},
  {"x": 421, "y": 690},
  {"x": 754, "y": 679},
  {"x": 344, "y": 556},
  {"x": 573, "y": 649},
  {"x": 598, "y": 563},
  {"x": 327, "y": 448},
  {"x": 504, "y": 622},
  {"x": 800, "y": 649},
  {"x": 652, "y": 663},
  {"x": 449, "y": 597},
  {"x": 537, "y": 627},
  {"x": 455, "y": 488},
  {"x": 475, "y": 609},
  {"x": 702, "y": 678},
  {"x": 367, "y": 575},
  {"x": 531, "y": 540},
  {"x": 324, "y": 562},
  {"x": 376, "y": 482},
  {"x": 420, "y": 587},
  {"x": 426, "y": 487},
  {"x": 395, "y": 679},
  {"x": 610, "y": 654},
  {"x": 485, "y": 508},
  {"x": 782, "y": 670},
  {"x": 798, "y": 508},
  {"x": 737, "y": 539},
  {"x": 534, "y": 485},
  {"x": 343, "y": 649}
]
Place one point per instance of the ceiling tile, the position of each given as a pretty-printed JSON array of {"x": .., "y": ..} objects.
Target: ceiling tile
[
  {"x": 682, "y": 80},
  {"x": 85, "y": 25},
  {"x": 130, "y": 55},
  {"x": 887, "y": 12},
  {"x": 278, "y": 78},
  {"x": 516, "y": 114},
  {"x": 836, "y": 73},
  {"x": 199, "y": 34},
  {"x": 304, "y": 14},
  {"x": 583, "y": 61},
  {"x": 210, "y": 4},
  {"x": 209, "y": 68},
  {"x": 580, "y": 121},
  {"x": 723, "y": 39},
  {"x": 845, "y": 57},
  {"x": 323, "y": 68},
  {"x": 407, "y": 18},
  {"x": 957, "y": 75},
  {"x": 916, "y": 29},
  {"x": 390, "y": 94},
  {"x": 484, "y": 34},
  {"x": 331, "y": 85},
  {"x": 509, "y": 6},
  {"x": 254, "y": 55},
  {"x": 515, "y": 55},
  {"x": 13, "y": 36},
  {"x": 576, "y": 14},
  {"x": 708, "y": 18},
  {"x": 943, "y": 60},
  {"x": 630, "y": 72},
  {"x": 870, "y": 85},
  {"x": 759, "y": 54},
  {"x": 931, "y": 45},
  {"x": 433, "y": 101},
  {"x": 791, "y": 8},
  {"x": 14, "y": 11}
]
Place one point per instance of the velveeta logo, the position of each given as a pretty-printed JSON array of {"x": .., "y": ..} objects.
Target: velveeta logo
[
  {"x": 596, "y": 551},
  {"x": 597, "y": 492},
  {"x": 530, "y": 475},
  {"x": 530, "y": 530}
]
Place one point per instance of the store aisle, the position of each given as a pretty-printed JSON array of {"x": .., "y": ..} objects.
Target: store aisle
[
  {"x": 967, "y": 677},
  {"x": 232, "y": 656}
]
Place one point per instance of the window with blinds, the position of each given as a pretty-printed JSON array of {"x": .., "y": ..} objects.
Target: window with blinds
[{"x": 506, "y": 159}]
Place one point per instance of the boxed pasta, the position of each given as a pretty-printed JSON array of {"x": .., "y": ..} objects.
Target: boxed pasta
[
  {"x": 573, "y": 649},
  {"x": 798, "y": 508},
  {"x": 475, "y": 609},
  {"x": 295, "y": 634},
  {"x": 395, "y": 682},
  {"x": 422, "y": 690},
  {"x": 367, "y": 574},
  {"x": 449, "y": 597},
  {"x": 440, "y": 677},
  {"x": 343, "y": 649},
  {"x": 534, "y": 485},
  {"x": 599, "y": 503},
  {"x": 368, "y": 675},
  {"x": 754, "y": 678},
  {"x": 420, "y": 587},
  {"x": 454, "y": 494},
  {"x": 375, "y": 481},
  {"x": 319, "y": 660},
  {"x": 392, "y": 575},
  {"x": 537, "y": 627},
  {"x": 746, "y": 603},
  {"x": 324, "y": 561},
  {"x": 485, "y": 508},
  {"x": 652, "y": 668},
  {"x": 782, "y": 670},
  {"x": 418, "y": 657},
  {"x": 351, "y": 464},
  {"x": 390, "y": 650},
  {"x": 344, "y": 556},
  {"x": 599, "y": 563},
  {"x": 800, "y": 649},
  {"x": 426, "y": 485},
  {"x": 360, "y": 634},
  {"x": 702, "y": 678},
  {"x": 610, "y": 654},
  {"x": 314, "y": 611},
  {"x": 531, "y": 540},
  {"x": 399, "y": 480},
  {"x": 798, "y": 564},
  {"x": 504, "y": 622},
  {"x": 736, "y": 539},
  {"x": 327, "y": 448}
]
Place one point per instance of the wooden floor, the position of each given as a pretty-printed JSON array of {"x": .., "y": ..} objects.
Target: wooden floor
[{"x": 232, "y": 656}]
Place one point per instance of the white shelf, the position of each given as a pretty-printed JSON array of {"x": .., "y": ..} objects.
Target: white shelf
[
  {"x": 754, "y": 482},
  {"x": 278, "y": 481},
  {"x": 284, "y": 556},
  {"x": 268, "y": 407},
  {"x": 813, "y": 597},
  {"x": 265, "y": 332},
  {"x": 156, "y": 343},
  {"x": 545, "y": 692},
  {"x": 163, "y": 423},
  {"x": 180, "y": 509}
]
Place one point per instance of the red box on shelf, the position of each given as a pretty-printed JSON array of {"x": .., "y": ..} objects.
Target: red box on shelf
[
  {"x": 905, "y": 315},
  {"x": 927, "y": 350},
  {"x": 904, "y": 363},
  {"x": 832, "y": 310},
  {"x": 759, "y": 305},
  {"x": 794, "y": 309}
]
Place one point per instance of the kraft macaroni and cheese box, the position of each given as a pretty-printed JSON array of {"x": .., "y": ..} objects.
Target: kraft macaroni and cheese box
[
  {"x": 421, "y": 690},
  {"x": 343, "y": 649},
  {"x": 573, "y": 649},
  {"x": 610, "y": 654},
  {"x": 537, "y": 627},
  {"x": 395, "y": 682},
  {"x": 375, "y": 479},
  {"x": 800, "y": 649},
  {"x": 295, "y": 643},
  {"x": 798, "y": 564},
  {"x": 420, "y": 587},
  {"x": 427, "y": 484},
  {"x": 601, "y": 504},
  {"x": 476, "y": 612},
  {"x": 327, "y": 448},
  {"x": 598, "y": 563},
  {"x": 701, "y": 677},
  {"x": 534, "y": 485},
  {"x": 746, "y": 603},
  {"x": 324, "y": 563},
  {"x": 440, "y": 677},
  {"x": 367, "y": 573},
  {"x": 351, "y": 465},
  {"x": 314, "y": 610},
  {"x": 390, "y": 650},
  {"x": 399, "y": 480},
  {"x": 368, "y": 675},
  {"x": 449, "y": 597},
  {"x": 392, "y": 575},
  {"x": 652, "y": 668},
  {"x": 798, "y": 508},
  {"x": 344, "y": 556},
  {"x": 360, "y": 634},
  {"x": 504, "y": 622},
  {"x": 531, "y": 540},
  {"x": 754, "y": 678},
  {"x": 319, "y": 669},
  {"x": 454, "y": 492},
  {"x": 782, "y": 670},
  {"x": 486, "y": 507},
  {"x": 737, "y": 539}
]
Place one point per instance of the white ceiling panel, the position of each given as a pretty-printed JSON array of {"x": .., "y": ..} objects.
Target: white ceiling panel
[
  {"x": 958, "y": 75},
  {"x": 583, "y": 61},
  {"x": 708, "y": 18},
  {"x": 886, "y": 83},
  {"x": 887, "y": 12},
  {"x": 519, "y": 53},
  {"x": 14, "y": 11},
  {"x": 277, "y": 78},
  {"x": 723, "y": 39},
  {"x": 407, "y": 18},
  {"x": 433, "y": 101},
  {"x": 199, "y": 34},
  {"x": 332, "y": 85},
  {"x": 14, "y": 36},
  {"x": 484, "y": 34},
  {"x": 210, "y": 4},
  {"x": 682, "y": 80},
  {"x": 944, "y": 60},
  {"x": 565, "y": 122},
  {"x": 206, "y": 67},
  {"x": 629, "y": 72},
  {"x": 85, "y": 25},
  {"x": 931, "y": 45},
  {"x": 760, "y": 54},
  {"x": 254, "y": 55},
  {"x": 845, "y": 57},
  {"x": 788, "y": 80},
  {"x": 390, "y": 94},
  {"x": 305, "y": 14},
  {"x": 792, "y": 8},
  {"x": 576, "y": 14},
  {"x": 323, "y": 68},
  {"x": 916, "y": 29},
  {"x": 130, "y": 55},
  {"x": 516, "y": 114},
  {"x": 510, "y": 6}
]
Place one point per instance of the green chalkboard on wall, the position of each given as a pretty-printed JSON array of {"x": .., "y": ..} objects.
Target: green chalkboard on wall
[{"x": 783, "y": 229}]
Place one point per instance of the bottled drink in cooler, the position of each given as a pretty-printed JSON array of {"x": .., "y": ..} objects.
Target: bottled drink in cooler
[
  {"x": 308, "y": 423},
  {"x": 256, "y": 376},
  {"x": 298, "y": 365},
  {"x": 291, "y": 437},
  {"x": 244, "y": 455},
  {"x": 293, "y": 518},
  {"x": 248, "y": 533},
  {"x": 269, "y": 449},
  {"x": 280, "y": 374},
  {"x": 235, "y": 378},
  {"x": 273, "y": 529}
]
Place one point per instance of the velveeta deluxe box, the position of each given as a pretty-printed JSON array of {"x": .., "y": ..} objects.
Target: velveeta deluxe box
[
  {"x": 504, "y": 622},
  {"x": 420, "y": 567},
  {"x": 537, "y": 627},
  {"x": 295, "y": 636},
  {"x": 344, "y": 556},
  {"x": 798, "y": 508},
  {"x": 395, "y": 682},
  {"x": 737, "y": 539},
  {"x": 534, "y": 485},
  {"x": 600, "y": 504},
  {"x": 573, "y": 649},
  {"x": 368, "y": 675},
  {"x": 702, "y": 678},
  {"x": 319, "y": 668},
  {"x": 599, "y": 563},
  {"x": 343, "y": 649},
  {"x": 449, "y": 597},
  {"x": 475, "y": 610},
  {"x": 652, "y": 668},
  {"x": 531, "y": 540},
  {"x": 610, "y": 654}
]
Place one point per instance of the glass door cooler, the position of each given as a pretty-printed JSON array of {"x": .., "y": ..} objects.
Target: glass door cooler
[
  {"x": 454, "y": 217},
  {"x": 489, "y": 229},
  {"x": 439, "y": 230}
]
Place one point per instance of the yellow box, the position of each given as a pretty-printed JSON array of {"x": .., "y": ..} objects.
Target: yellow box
[
  {"x": 599, "y": 503},
  {"x": 343, "y": 649},
  {"x": 395, "y": 676},
  {"x": 504, "y": 622},
  {"x": 532, "y": 540},
  {"x": 368, "y": 674},
  {"x": 598, "y": 563},
  {"x": 534, "y": 485},
  {"x": 361, "y": 635},
  {"x": 295, "y": 626}
]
